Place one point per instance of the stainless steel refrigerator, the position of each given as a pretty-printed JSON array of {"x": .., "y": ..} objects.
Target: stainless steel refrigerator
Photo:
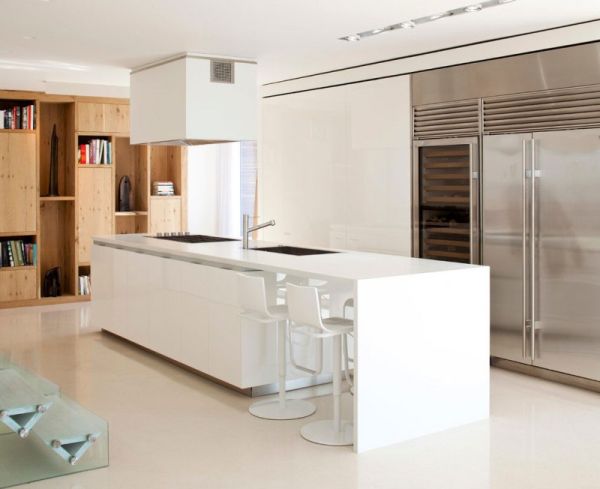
[{"x": 541, "y": 238}]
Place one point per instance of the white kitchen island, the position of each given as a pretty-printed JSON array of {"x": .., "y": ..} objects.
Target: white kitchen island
[{"x": 421, "y": 342}]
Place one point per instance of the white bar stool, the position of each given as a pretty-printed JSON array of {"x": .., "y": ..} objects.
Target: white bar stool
[
  {"x": 253, "y": 300},
  {"x": 305, "y": 311}
]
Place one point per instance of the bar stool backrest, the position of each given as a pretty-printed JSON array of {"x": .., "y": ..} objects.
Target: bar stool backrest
[
  {"x": 304, "y": 306},
  {"x": 252, "y": 293}
]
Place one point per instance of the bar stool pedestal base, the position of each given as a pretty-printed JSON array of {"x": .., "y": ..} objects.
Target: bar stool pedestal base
[
  {"x": 292, "y": 409},
  {"x": 323, "y": 433}
]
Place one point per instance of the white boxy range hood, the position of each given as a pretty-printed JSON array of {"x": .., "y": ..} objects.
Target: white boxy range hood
[{"x": 194, "y": 99}]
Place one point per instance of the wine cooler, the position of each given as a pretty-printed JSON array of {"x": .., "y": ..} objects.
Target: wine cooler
[{"x": 446, "y": 199}]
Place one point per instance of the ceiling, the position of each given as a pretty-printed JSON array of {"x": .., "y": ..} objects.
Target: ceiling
[{"x": 91, "y": 41}]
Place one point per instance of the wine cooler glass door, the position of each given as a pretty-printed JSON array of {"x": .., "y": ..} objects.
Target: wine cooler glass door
[{"x": 447, "y": 198}]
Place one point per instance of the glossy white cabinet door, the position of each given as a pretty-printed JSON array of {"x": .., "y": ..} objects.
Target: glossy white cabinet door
[
  {"x": 335, "y": 167},
  {"x": 164, "y": 327},
  {"x": 303, "y": 156},
  {"x": 135, "y": 300},
  {"x": 259, "y": 353},
  {"x": 193, "y": 318},
  {"x": 222, "y": 286},
  {"x": 124, "y": 295},
  {"x": 193, "y": 314},
  {"x": 194, "y": 279},
  {"x": 104, "y": 290},
  {"x": 225, "y": 348}
]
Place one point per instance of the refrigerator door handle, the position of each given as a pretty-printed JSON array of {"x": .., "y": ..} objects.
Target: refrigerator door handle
[
  {"x": 524, "y": 257},
  {"x": 532, "y": 245},
  {"x": 474, "y": 238}
]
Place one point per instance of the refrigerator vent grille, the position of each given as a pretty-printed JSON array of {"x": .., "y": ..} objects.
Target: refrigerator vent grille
[
  {"x": 444, "y": 120},
  {"x": 572, "y": 108}
]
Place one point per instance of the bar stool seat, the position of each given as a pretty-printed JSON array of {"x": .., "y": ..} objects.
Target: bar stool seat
[
  {"x": 339, "y": 325},
  {"x": 253, "y": 300}
]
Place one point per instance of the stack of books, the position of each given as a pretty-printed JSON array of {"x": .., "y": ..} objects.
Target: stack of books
[
  {"x": 163, "y": 188},
  {"x": 17, "y": 253},
  {"x": 95, "y": 152},
  {"x": 84, "y": 285},
  {"x": 18, "y": 117}
]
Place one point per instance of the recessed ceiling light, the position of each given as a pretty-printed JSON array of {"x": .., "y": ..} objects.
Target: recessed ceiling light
[
  {"x": 408, "y": 25},
  {"x": 352, "y": 38},
  {"x": 438, "y": 16},
  {"x": 502, "y": 2},
  {"x": 474, "y": 8},
  {"x": 377, "y": 31}
]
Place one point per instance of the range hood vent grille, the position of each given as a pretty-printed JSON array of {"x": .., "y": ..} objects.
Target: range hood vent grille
[
  {"x": 571, "y": 108},
  {"x": 444, "y": 120},
  {"x": 221, "y": 71}
]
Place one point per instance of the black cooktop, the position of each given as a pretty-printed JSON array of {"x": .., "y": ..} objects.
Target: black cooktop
[{"x": 194, "y": 238}]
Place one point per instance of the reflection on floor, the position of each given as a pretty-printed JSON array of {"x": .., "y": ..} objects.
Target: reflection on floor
[{"x": 172, "y": 429}]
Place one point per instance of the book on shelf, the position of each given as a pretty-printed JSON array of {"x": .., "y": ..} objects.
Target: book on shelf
[
  {"x": 163, "y": 188},
  {"x": 84, "y": 285},
  {"x": 17, "y": 253},
  {"x": 95, "y": 152},
  {"x": 18, "y": 117}
]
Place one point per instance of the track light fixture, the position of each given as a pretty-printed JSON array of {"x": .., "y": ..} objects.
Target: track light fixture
[{"x": 412, "y": 23}]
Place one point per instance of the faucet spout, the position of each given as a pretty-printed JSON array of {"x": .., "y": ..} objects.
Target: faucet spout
[
  {"x": 260, "y": 226},
  {"x": 247, "y": 229}
]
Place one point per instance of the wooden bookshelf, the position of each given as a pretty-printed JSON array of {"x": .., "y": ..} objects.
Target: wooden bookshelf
[{"x": 62, "y": 225}]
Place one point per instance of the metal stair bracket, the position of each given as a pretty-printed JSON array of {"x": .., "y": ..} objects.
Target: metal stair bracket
[
  {"x": 68, "y": 430},
  {"x": 21, "y": 407}
]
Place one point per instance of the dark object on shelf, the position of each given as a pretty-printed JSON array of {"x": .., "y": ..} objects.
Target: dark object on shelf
[
  {"x": 53, "y": 179},
  {"x": 124, "y": 194},
  {"x": 52, "y": 283},
  {"x": 194, "y": 238}
]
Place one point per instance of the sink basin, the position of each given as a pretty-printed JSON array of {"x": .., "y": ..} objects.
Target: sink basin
[
  {"x": 293, "y": 250},
  {"x": 194, "y": 238}
]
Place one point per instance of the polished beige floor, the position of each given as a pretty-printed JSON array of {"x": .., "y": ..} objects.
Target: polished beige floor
[{"x": 172, "y": 429}]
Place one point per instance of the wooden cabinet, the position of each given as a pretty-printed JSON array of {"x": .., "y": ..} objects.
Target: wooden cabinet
[
  {"x": 102, "y": 117},
  {"x": 18, "y": 182},
  {"x": 165, "y": 214},
  {"x": 90, "y": 117},
  {"x": 18, "y": 284},
  {"x": 95, "y": 205},
  {"x": 116, "y": 118}
]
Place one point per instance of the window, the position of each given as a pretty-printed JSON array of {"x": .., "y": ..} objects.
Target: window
[{"x": 221, "y": 187}]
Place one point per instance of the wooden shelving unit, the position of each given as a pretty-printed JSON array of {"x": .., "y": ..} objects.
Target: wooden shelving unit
[{"x": 62, "y": 225}]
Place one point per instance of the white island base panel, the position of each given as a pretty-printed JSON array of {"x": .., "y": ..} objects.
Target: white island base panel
[
  {"x": 421, "y": 344},
  {"x": 422, "y": 355}
]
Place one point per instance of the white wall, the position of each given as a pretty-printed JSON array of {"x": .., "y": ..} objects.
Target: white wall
[{"x": 334, "y": 167}]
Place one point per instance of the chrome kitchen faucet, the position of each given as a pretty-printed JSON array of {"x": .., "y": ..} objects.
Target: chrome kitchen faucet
[{"x": 247, "y": 229}]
